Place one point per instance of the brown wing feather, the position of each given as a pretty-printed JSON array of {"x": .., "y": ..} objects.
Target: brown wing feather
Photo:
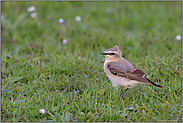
[
  {"x": 138, "y": 72},
  {"x": 129, "y": 72}
]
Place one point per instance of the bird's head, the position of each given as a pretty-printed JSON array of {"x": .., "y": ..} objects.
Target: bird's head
[{"x": 112, "y": 54}]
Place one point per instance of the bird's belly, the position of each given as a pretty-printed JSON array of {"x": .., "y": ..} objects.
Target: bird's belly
[{"x": 122, "y": 82}]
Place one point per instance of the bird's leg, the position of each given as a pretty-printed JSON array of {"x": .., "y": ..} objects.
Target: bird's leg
[{"x": 123, "y": 93}]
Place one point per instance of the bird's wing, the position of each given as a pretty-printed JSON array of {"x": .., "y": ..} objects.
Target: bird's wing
[{"x": 127, "y": 71}]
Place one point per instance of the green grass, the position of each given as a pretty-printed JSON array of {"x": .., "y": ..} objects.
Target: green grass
[{"x": 67, "y": 80}]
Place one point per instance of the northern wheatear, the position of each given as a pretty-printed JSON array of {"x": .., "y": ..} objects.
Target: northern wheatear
[{"x": 121, "y": 72}]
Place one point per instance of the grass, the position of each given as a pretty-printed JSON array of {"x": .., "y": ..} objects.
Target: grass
[{"x": 38, "y": 71}]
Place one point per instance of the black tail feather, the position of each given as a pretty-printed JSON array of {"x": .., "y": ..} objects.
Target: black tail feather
[{"x": 154, "y": 83}]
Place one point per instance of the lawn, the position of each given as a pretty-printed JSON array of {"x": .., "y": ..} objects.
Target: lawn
[{"x": 58, "y": 66}]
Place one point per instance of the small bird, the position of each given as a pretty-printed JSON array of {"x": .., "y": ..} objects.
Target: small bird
[{"x": 121, "y": 72}]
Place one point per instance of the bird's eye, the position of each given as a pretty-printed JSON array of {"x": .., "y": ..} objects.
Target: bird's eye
[{"x": 112, "y": 53}]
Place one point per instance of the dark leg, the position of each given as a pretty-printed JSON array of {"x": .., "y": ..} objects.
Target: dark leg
[{"x": 123, "y": 93}]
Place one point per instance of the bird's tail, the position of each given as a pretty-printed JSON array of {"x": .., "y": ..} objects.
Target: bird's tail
[{"x": 154, "y": 83}]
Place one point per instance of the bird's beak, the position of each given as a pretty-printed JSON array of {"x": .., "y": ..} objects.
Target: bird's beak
[{"x": 103, "y": 53}]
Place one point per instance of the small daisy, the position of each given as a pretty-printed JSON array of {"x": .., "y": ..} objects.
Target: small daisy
[
  {"x": 42, "y": 111},
  {"x": 34, "y": 14},
  {"x": 64, "y": 41},
  {"x": 31, "y": 9},
  {"x": 61, "y": 20},
  {"x": 78, "y": 18},
  {"x": 178, "y": 37}
]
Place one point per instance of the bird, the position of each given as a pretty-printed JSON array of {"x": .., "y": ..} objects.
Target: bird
[{"x": 121, "y": 72}]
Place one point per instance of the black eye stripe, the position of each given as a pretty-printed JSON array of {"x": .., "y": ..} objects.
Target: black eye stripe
[{"x": 110, "y": 53}]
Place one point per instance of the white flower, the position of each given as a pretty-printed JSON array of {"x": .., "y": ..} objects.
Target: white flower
[
  {"x": 178, "y": 37},
  {"x": 61, "y": 20},
  {"x": 64, "y": 41},
  {"x": 78, "y": 18},
  {"x": 42, "y": 111},
  {"x": 34, "y": 15},
  {"x": 31, "y": 9}
]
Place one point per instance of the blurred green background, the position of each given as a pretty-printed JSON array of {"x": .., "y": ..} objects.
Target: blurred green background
[{"x": 40, "y": 70}]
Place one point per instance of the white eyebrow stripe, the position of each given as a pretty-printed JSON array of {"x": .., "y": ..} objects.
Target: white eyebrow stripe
[
  {"x": 112, "y": 52},
  {"x": 115, "y": 52}
]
